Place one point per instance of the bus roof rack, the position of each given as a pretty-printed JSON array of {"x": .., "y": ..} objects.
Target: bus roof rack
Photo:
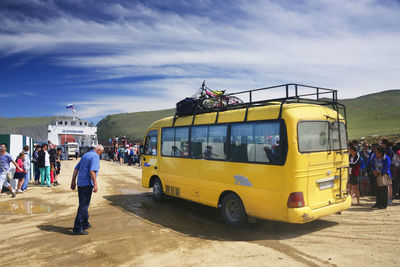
[
  {"x": 287, "y": 94},
  {"x": 291, "y": 93}
]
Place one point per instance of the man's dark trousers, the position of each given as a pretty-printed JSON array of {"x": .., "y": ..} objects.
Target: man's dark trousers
[{"x": 82, "y": 216}]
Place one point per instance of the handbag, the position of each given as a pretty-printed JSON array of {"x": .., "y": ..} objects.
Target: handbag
[
  {"x": 383, "y": 180},
  {"x": 9, "y": 174}
]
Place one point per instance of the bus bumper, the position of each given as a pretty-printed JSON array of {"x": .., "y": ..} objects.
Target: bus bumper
[{"x": 304, "y": 215}]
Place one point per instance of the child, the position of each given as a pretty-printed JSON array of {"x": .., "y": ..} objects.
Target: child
[
  {"x": 58, "y": 166},
  {"x": 354, "y": 161},
  {"x": 20, "y": 174}
]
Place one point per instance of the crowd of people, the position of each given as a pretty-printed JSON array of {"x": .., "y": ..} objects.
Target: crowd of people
[
  {"x": 377, "y": 167},
  {"x": 46, "y": 166},
  {"x": 123, "y": 152}
]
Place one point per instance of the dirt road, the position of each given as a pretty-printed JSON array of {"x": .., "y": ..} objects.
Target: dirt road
[{"x": 130, "y": 229}]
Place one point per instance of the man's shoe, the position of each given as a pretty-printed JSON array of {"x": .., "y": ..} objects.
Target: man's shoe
[
  {"x": 87, "y": 227},
  {"x": 13, "y": 194},
  {"x": 80, "y": 232},
  {"x": 374, "y": 207}
]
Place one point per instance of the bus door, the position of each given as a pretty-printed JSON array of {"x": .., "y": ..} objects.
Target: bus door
[
  {"x": 177, "y": 171},
  {"x": 150, "y": 152},
  {"x": 209, "y": 146},
  {"x": 326, "y": 162}
]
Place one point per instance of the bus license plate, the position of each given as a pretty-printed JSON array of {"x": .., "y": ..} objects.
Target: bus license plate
[{"x": 326, "y": 185}]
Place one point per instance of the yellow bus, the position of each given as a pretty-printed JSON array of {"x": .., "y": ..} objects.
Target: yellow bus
[{"x": 281, "y": 159}]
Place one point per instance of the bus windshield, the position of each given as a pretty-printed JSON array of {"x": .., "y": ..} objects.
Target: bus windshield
[{"x": 317, "y": 136}]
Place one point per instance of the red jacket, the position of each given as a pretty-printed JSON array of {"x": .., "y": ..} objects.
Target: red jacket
[{"x": 20, "y": 164}]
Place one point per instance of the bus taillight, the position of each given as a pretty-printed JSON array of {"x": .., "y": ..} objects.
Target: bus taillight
[{"x": 296, "y": 200}]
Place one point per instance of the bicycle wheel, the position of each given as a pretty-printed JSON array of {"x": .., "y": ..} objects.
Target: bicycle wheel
[
  {"x": 233, "y": 100},
  {"x": 210, "y": 103}
]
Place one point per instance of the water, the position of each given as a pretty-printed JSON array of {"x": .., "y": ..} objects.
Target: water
[
  {"x": 127, "y": 191},
  {"x": 23, "y": 207}
]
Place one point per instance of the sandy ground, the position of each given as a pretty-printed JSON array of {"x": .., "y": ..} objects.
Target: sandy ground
[{"x": 129, "y": 229}]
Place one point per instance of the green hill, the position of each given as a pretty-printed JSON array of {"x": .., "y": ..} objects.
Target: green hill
[
  {"x": 35, "y": 127},
  {"x": 132, "y": 125},
  {"x": 374, "y": 114}
]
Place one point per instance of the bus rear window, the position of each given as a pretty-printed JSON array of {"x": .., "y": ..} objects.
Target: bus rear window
[{"x": 317, "y": 136}]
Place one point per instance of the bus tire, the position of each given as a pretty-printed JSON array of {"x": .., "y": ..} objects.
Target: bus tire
[
  {"x": 158, "y": 192},
  {"x": 232, "y": 210}
]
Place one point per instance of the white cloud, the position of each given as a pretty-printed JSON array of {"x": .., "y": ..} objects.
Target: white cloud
[
  {"x": 4, "y": 95},
  {"x": 29, "y": 93}
]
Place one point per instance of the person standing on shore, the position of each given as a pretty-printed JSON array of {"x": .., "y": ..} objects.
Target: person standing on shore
[
  {"x": 20, "y": 175},
  {"x": 354, "y": 162},
  {"x": 382, "y": 167},
  {"x": 27, "y": 168},
  {"x": 86, "y": 171},
  {"x": 44, "y": 165},
  {"x": 5, "y": 160},
  {"x": 76, "y": 153},
  {"x": 53, "y": 157},
  {"x": 58, "y": 166},
  {"x": 121, "y": 155},
  {"x": 35, "y": 165}
]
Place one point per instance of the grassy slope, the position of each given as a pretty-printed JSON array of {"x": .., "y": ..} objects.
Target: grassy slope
[
  {"x": 35, "y": 127},
  {"x": 132, "y": 125},
  {"x": 374, "y": 114}
]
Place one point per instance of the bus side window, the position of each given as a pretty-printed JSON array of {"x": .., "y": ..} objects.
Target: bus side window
[
  {"x": 209, "y": 142},
  {"x": 198, "y": 141},
  {"x": 150, "y": 146},
  {"x": 175, "y": 142},
  {"x": 255, "y": 142},
  {"x": 216, "y": 141},
  {"x": 181, "y": 145},
  {"x": 241, "y": 136},
  {"x": 267, "y": 137},
  {"x": 167, "y": 141}
]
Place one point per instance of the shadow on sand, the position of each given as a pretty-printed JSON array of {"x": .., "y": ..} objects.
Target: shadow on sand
[
  {"x": 200, "y": 221},
  {"x": 56, "y": 229}
]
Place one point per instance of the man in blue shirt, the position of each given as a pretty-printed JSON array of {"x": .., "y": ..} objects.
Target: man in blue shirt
[
  {"x": 86, "y": 170},
  {"x": 5, "y": 160}
]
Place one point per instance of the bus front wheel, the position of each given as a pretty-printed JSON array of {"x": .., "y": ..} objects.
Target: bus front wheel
[
  {"x": 232, "y": 210},
  {"x": 158, "y": 192}
]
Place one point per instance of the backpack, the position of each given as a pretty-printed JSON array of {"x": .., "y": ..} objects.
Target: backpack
[{"x": 187, "y": 106}]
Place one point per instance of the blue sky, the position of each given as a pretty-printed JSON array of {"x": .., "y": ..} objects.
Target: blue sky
[{"x": 124, "y": 56}]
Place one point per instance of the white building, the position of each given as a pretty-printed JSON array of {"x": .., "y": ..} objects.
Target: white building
[
  {"x": 15, "y": 144},
  {"x": 84, "y": 133}
]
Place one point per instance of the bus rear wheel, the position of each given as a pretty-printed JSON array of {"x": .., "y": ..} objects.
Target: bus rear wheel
[
  {"x": 232, "y": 210},
  {"x": 158, "y": 192}
]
